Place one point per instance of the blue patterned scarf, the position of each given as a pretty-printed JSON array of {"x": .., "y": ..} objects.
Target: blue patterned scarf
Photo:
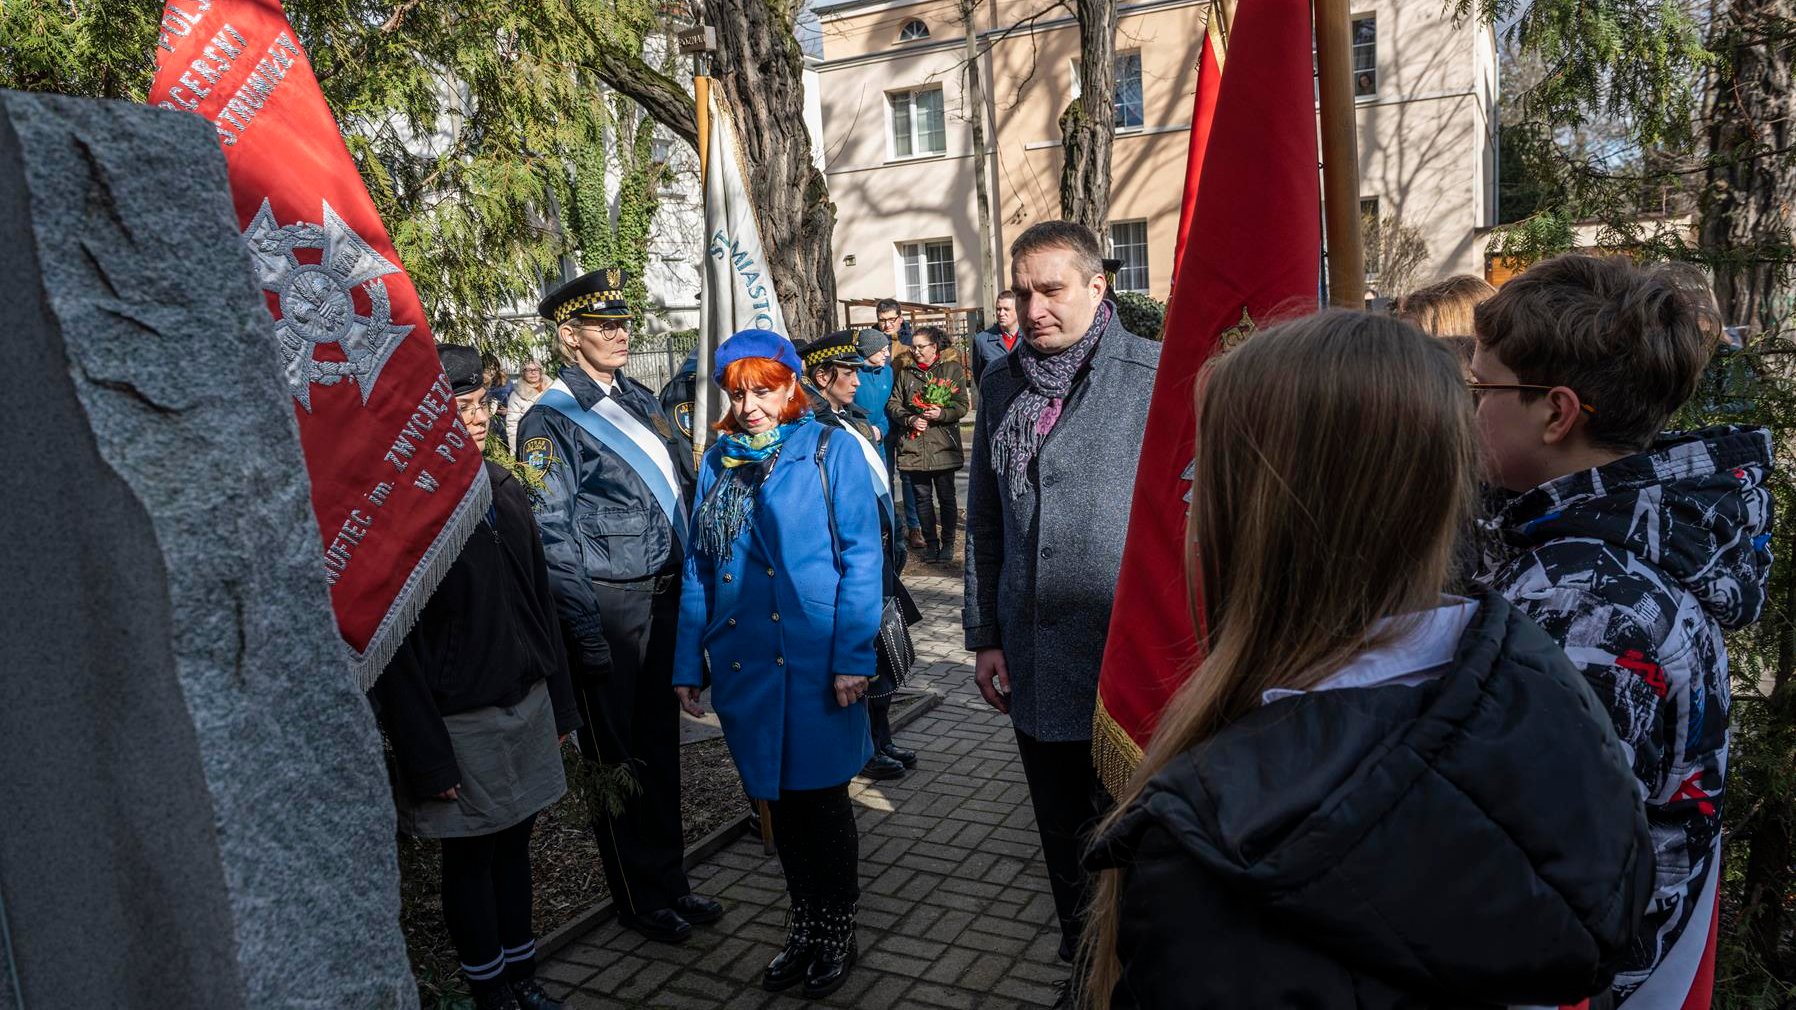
[{"x": 730, "y": 504}]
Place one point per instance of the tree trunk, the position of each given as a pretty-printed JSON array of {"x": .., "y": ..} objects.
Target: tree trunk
[
  {"x": 761, "y": 69},
  {"x": 975, "y": 104},
  {"x": 1749, "y": 208},
  {"x": 1088, "y": 125}
]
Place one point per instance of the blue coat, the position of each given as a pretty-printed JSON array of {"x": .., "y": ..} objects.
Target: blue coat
[
  {"x": 780, "y": 621},
  {"x": 876, "y": 389}
]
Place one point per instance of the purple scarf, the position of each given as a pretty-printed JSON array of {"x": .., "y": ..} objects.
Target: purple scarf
[{"x": 1034, "y": 411}]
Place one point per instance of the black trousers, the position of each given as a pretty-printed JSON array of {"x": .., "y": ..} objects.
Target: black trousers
[
  {"x": 1069, "y": 801},
  {"x": 632, "y": 715},
  {"x": 879, "y": 715},
  {"x": 486, "y": 904},
  {"x": 918, "y": 484},
  {"x": 819, "y": 845}
]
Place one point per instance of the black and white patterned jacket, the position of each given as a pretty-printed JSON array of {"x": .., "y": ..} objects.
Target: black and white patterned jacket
[{"x": 1636, "y": 568}]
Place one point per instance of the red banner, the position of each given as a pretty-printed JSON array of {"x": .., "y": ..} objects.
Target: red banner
[
  {"x": 1252, "y": 255},
  {"x": 397, "y": 483},
  {"x": 1203, "y": 116}
]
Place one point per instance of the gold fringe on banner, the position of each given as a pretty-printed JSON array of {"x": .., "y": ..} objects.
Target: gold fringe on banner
[{"x": 1113, "y": 751}]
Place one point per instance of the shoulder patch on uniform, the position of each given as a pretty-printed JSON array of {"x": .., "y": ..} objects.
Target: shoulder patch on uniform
[
  {"x": 683, "y": 414},
  {"x": 537, "y": 453}
]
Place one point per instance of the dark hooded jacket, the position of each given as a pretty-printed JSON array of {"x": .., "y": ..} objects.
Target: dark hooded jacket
[
  {"x": 1637, "y": 568},
  {"x": 1471, "y": 842}
]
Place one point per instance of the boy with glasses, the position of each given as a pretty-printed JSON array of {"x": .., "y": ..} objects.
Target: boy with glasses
[{"x": 1633, "y": 549}]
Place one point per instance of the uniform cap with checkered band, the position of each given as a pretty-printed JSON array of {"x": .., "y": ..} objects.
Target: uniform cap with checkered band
[{"x": 595, "y": 295}]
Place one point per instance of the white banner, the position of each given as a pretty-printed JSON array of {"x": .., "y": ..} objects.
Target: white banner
[{"x": 738, "y": 287}]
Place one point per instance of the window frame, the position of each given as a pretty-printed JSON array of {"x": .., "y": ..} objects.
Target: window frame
[
  {"x": 1355, "y": 47},
  {"x": 905, "y": 39},
  {"x": 926, "y": 287},
  {"x": 1140, "y": 91},
  {"x": 1145, "y": 268},
  {"x": 1076, "y": 87},
  {"x": 916, "y": 135}
]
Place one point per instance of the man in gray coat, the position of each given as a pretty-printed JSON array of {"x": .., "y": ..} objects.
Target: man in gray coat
[{"x": 1052, "y": 476}]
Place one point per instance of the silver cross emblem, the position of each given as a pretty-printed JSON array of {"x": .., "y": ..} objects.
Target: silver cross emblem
[{"x": 317, "y": 301}]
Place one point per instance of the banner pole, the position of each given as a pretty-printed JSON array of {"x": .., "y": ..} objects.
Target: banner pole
[
  {"x": 1340, "y": 155},
  {"x": 701, "y": 379}
]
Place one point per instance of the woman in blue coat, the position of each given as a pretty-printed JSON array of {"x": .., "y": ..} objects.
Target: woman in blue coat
[{"x": 785, "y": 611}]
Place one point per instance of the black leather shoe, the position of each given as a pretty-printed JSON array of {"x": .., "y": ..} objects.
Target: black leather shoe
[
  {"x": 532, "y": 997},
  {"x": 828, "y": 972},
  {"x": 497, "y": 998},
  {"x": 663, "y": 925},
  {"x": 882, "y": 767},
  {"x": 788, "y": 967},
  {"x": 907, "y": 758},
  {"x": 698, "y": 909}
]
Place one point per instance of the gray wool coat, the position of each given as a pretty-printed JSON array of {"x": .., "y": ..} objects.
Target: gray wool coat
[{"x": 1041, "y": 568}]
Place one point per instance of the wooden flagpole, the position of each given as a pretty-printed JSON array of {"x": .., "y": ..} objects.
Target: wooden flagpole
[{"x": 1340, "y": 155}]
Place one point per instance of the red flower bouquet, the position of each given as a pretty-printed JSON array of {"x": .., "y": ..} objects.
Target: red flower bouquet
[{"x": 936, "y": 392}]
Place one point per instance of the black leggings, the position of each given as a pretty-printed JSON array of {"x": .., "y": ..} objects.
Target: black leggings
[
  {"x": 918, "y": 484},
  {"x": 819, "y": 845},
  {"x": 486, "y": 903}
]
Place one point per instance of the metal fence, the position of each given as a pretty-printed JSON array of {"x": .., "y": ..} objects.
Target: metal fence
[{"x": 655, "y": 357}]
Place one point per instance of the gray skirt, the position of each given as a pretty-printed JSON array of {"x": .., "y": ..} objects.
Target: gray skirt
[{"x": 510, "y": 768}]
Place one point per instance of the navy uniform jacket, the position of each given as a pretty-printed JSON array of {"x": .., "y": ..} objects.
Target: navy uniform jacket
[{"x": 599, "y": 520}]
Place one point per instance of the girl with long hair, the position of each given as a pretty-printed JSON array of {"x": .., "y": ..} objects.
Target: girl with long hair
[
  {"x": 784, "y": 582},
  {"x": 1370, "y": 794}
]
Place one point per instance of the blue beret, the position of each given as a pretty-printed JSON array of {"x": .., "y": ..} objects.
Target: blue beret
[{"x": 754, "y": 344}]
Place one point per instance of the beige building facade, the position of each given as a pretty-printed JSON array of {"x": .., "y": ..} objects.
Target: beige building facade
[{"x": 897, "y": 135}]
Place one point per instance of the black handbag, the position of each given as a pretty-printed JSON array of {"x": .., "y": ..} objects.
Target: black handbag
[{"x": 892, "y": 646}]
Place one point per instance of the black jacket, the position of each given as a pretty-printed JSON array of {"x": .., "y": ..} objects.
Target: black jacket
[
  {"x": 1474, "y": 842},
  {"x": 488, "y": 634},
  {"x": 599, "y": 520}
]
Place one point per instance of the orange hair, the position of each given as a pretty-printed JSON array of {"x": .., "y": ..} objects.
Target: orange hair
[{"x": 760, "y": 373}]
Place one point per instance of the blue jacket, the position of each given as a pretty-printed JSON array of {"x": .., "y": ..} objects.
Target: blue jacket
[
  {"x": 876, "y": 389},
  {"x": 785, "y": 616}
]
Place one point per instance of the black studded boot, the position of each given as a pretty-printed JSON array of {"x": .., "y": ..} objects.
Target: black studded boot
[
  {"x": 788, "y": 967},
  {"x": 836, "y": 950}
]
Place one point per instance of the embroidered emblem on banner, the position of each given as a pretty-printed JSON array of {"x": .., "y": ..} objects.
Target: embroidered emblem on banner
[
  {"x": 537, "y": 454},
  {"x": 1232, "y": 337},
  {"x": 317, "y": 303}
]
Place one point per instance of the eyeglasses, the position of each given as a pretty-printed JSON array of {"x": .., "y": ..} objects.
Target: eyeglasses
[
  {"x": 469, "y": 412},
  {"x": 1494, "y": 387},
  {"x": 610, "y": 331}
]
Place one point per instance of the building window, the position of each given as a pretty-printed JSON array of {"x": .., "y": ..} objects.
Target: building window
[
  {"x": 917, "y": 125},
  {"x": 1128, "y": 242},
  {"x": 1370, "y": 233},
  {"x": 1130, "y": 108},
  {"x": 928, "y": 269},
  {"x": 1365, "y": 56},
  {"x": 1129, "y": 104},
  {"x": 913, "y": 31}
]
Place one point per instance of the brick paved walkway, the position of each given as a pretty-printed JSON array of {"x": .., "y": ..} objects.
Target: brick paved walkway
[{"x": 955, "y": 910}]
